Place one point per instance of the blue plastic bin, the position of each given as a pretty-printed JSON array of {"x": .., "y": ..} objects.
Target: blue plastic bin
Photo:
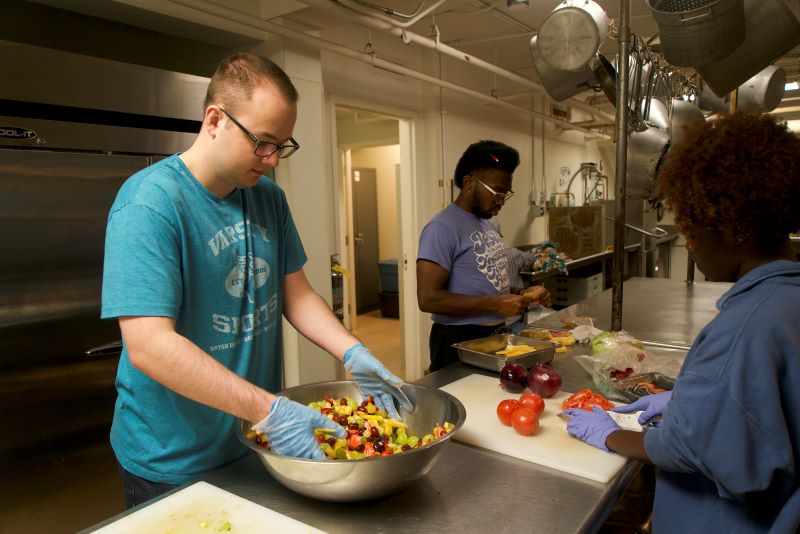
[{"x": 388, "y": 274}]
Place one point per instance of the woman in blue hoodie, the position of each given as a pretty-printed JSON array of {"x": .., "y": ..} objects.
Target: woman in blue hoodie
[{"x": 728, "y": 446}]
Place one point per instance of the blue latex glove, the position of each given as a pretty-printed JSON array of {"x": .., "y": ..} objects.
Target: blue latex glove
[
  {"x": 290, "y": 429},
  {"x": 375, "y": 380},
  {"x": 591, "y": 427},
  {"x": 653, "y": 406}
]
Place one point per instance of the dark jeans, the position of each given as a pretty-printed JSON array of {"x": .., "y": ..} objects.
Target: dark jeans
[
  {"x": 443, "y": 336},
  {"x": 139, "y": 490}
]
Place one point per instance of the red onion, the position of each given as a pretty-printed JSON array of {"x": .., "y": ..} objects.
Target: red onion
[
  {"x": 544, "y": 380},
  {"x": 513, "y": 377}
]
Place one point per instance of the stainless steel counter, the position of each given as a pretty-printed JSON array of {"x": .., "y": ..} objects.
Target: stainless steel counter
[
  {"x": 474, "y": 490},
  {"x": 658, "y": 311},
  {"x": 467, "y": 490}
]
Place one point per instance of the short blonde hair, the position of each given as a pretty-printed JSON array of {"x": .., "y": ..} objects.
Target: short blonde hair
[{"x": 239, "y": 74}]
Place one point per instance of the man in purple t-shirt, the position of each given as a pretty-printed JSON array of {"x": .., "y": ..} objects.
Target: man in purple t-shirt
[{"x": 462, "y": 270}]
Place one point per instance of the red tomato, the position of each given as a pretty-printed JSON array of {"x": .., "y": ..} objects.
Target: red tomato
[
  {"x": 505, "y": 409},
  {"x": 524, "y": 421},
  {"x": 532, "y": 401}
]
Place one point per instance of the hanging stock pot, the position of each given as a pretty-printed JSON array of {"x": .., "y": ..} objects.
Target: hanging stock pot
[
  {"x": 763, "y": 92},
  {"x": 760, "y": 94},
  {"x": 683, "y": 114},
  {"x": 559, "y": 84},
  {"x": 771, "y": 30},
  {"x": 697, "y": 32},
  {"x": 646, "y": 150},
  {"x": 572, "y": 33}
]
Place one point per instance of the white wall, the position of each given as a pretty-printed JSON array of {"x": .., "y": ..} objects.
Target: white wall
[
  {"x": 383, "y": 159},
  {"x": 304, "y": 362},
  {"x": 444, "y": 123}
]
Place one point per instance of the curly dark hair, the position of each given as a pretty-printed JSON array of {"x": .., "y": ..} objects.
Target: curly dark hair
[
  {"x": 740, "y": 172},
  {"x": 485, "y": 155}
]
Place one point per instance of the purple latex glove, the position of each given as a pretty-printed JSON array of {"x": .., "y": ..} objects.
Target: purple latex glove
[
  {"x": 591, "y": 427},
  {"x": 653, "y": 406}
]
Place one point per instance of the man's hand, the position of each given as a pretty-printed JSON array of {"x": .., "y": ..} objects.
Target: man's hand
[
  {"x": 537, "y": 295},
  {"x": 510, "y": 305},
  {"x": 375, "y": 380},
  {"x": 290, "y": 429}
]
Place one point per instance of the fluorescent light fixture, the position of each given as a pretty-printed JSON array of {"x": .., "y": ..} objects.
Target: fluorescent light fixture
[
  {"x": 792, "y": 86},
  {"x": 516, "y": 3}
]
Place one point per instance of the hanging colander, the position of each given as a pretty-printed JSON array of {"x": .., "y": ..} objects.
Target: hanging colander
[{"x": 696, "y": 32}]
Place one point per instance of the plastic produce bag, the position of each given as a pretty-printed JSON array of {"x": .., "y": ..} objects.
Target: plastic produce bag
[
  {"x": 584, "y": 333},
  {"x": 536, "y": 312},
  {"x": 609, "y": 340},
  {"x": 614, "y": 355},
  {"x": 547, "y": 258}
]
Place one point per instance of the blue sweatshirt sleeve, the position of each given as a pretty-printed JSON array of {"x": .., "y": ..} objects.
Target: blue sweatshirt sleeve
[{"x": 720, "y": 423}]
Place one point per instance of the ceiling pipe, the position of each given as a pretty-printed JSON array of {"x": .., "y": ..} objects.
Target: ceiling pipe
[
  {"x": 245, "y": 19},
  {"x": 505, "y": 17},
  {"x": 413, "y": 19},
  {"x": 488, "y": 39},
  {"x": 411, "y": 37}
]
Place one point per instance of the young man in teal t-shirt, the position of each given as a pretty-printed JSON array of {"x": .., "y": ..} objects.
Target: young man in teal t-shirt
[{"x": 202, "y": 259}]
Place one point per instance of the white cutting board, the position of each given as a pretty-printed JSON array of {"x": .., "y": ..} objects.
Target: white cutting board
[
  {"x": 205, "y": 508},
  {"x": 550, "y": 446}
]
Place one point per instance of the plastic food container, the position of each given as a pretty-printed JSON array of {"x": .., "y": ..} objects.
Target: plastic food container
[
  {"x": 637, "y": 386},
  {"x": 482, "y": 352}
]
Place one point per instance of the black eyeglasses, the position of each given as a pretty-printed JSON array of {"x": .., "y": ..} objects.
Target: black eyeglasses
[
  {"x": 496, "y": 197},
  {"x": 265, "y": 149}
]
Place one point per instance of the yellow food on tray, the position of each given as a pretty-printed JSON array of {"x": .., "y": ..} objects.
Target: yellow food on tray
[
  {"x": 564, "y": 338},
  {"x": 535, "y": 333},
  {"x": 515, "y": 350}
]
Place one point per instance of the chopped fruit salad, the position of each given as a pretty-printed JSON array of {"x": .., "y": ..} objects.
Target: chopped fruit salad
[{"x": 370, "y": 431}]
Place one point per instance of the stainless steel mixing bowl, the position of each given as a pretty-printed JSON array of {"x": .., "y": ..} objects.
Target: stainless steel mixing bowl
[{"x": 369, "y": 478}]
